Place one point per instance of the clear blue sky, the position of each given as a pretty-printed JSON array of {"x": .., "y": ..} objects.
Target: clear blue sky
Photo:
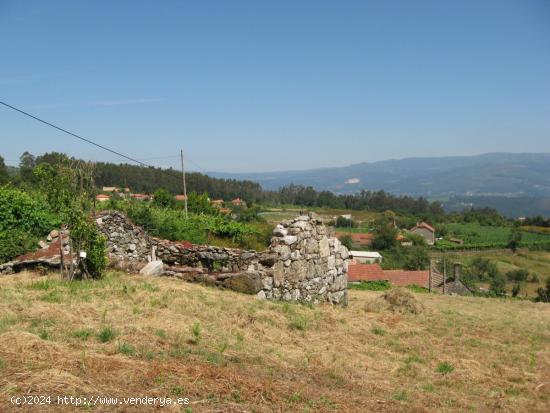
[{"x": 258, "y": 86}]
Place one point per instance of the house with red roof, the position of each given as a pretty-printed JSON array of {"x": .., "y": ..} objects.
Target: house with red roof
[{"x": 426, "y": 231}]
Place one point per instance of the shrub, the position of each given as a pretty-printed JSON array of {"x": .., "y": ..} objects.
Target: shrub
[
  {"x": 497, "y": 285},
  {"x": 106, "y": 334},
  {"x": 196, "y": 330},
  {"x": 163, "y": 199},
  {"x": 417, "y": 258},
  {"x": 346, "y": 241},
  {"x": 519, "y": 275},
  {"x": 15, "y": 242},
  {"x": 543, "y": 294},
  {"x": 24, "y": 218}
]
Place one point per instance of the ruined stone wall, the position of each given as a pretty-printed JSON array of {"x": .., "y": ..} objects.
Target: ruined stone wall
[{"x": 302, "y": 263}]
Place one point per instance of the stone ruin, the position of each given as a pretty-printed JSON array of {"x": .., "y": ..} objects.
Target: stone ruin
[{"x": 303, "y": 263}]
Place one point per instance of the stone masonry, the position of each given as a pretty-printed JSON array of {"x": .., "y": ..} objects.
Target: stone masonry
[{"x": 302, "y": 263}]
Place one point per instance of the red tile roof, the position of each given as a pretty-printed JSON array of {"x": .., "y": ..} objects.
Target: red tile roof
[
  {"x": 357, "y": 238},
  {"x": 373, "y": 272},
  {"x": 423, "y": 225},
  {"x": 405, "y": 277},
  {"x": 365, "y": 272}
]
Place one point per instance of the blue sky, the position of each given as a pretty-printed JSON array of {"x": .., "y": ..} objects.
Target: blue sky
[{"x": 259, "y": 86}]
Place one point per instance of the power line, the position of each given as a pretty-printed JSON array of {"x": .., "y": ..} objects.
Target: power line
[{"x": 85, "y": 139}]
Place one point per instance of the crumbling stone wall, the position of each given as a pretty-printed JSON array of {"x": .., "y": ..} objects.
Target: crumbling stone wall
[{"x": 303, "y": 263}]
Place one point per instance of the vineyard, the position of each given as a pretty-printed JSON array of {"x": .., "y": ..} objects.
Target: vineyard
[{"x": 475, "y": 236}]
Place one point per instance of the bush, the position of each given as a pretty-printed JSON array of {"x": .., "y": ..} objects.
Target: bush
[
  {"x": 497, "y": 285},
  {"x": 15, "y": 242},
  {"x": 543, "y": 294},
  {"x": 346, "y": 241},
  {"x": 22, "y": 211},
  {"x": 519, "y": 275},
  {"x": 24, "y": 218},
  {"x": 417, "y": 258},
  {"x": 163, "y": 199}
]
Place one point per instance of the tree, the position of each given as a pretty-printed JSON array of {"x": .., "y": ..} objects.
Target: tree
[
  {"x": 200, "y": 204},
  {"x": 517, "y": 276},
  {"x": 417, "y": 258},
  {"x": 543, "y": 294},
  {"x": 346, "y": 241},
  {"x": 27, "y": 162},
  {"x": 164, "y": 199},
  {"x": 498, "y": 285},
  {"x": 66, "y": 187},
  {"x": 4, "y": 176},
  {"x": 514, "y": 239},
  {"x": 384, "y": 236},
  {"x": 343, "y": 222},
  {"x": 483, "y": 269}
]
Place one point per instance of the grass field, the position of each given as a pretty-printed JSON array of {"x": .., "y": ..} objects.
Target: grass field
[
  {"x": 132, "y": 336},
  {"x": 475, "y": 234},
  {"x": 276, "y": 215}
]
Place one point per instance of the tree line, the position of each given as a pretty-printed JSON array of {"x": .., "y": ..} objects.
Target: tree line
[{"x": 150, "y": 179}]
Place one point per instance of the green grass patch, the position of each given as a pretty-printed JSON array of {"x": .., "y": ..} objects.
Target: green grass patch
[
  {"x": 106, "y": 334},
  {"x": 82, "y": 334},
  {"x": 126, "y": 349},
  {"x": 444, "y": 368},
  {"x": 378, "y": 285}
]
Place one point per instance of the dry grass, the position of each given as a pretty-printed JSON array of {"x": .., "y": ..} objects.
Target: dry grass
[
  {"x": 397, "y": 300},
  {"x": 131, "y": 336}
]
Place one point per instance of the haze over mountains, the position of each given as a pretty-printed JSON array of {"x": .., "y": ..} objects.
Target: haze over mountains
[{"x": 498, "y": 178}]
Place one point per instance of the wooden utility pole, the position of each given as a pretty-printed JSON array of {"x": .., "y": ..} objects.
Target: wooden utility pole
[
  {"x": 444, "y": 275},
  {"x": 430, "y": 276},
  {"x": 184, "y": 185}
]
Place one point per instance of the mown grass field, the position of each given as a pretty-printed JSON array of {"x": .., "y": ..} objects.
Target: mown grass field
[{"x": 132, "y": 336}]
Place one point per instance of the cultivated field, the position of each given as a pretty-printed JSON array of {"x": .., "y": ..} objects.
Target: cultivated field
[{"x": 131, "y": 336}]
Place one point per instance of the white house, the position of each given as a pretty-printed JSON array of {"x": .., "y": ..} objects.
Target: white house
[{"x": 365, "y": 257}]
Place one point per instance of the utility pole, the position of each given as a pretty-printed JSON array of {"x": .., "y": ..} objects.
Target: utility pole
[
  {"x": 184, "y": 186},
  {"x": 444, "y": 275}
]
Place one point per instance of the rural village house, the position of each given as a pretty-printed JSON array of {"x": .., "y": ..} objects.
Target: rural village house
[{"x": 426, "y": 231}]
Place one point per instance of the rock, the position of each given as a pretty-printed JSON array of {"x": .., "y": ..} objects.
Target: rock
[
  {"x": 324, "y": 248},
  {"x": 244, "y": 283},
  {"x": 280, "y": 231},
  {"x": 300, "y": 224},
  {"x": 131, "y": 247},
  {"x": 261, "y": 295},
  {"x": 54, "y": 233},
  {"x": 290, "y": 239},
  {"x": 154, "y": 268},
  {"x": 42, "y": 244}
]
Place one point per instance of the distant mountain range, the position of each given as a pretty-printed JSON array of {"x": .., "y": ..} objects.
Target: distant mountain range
[{"x": 489, "y": 176}]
